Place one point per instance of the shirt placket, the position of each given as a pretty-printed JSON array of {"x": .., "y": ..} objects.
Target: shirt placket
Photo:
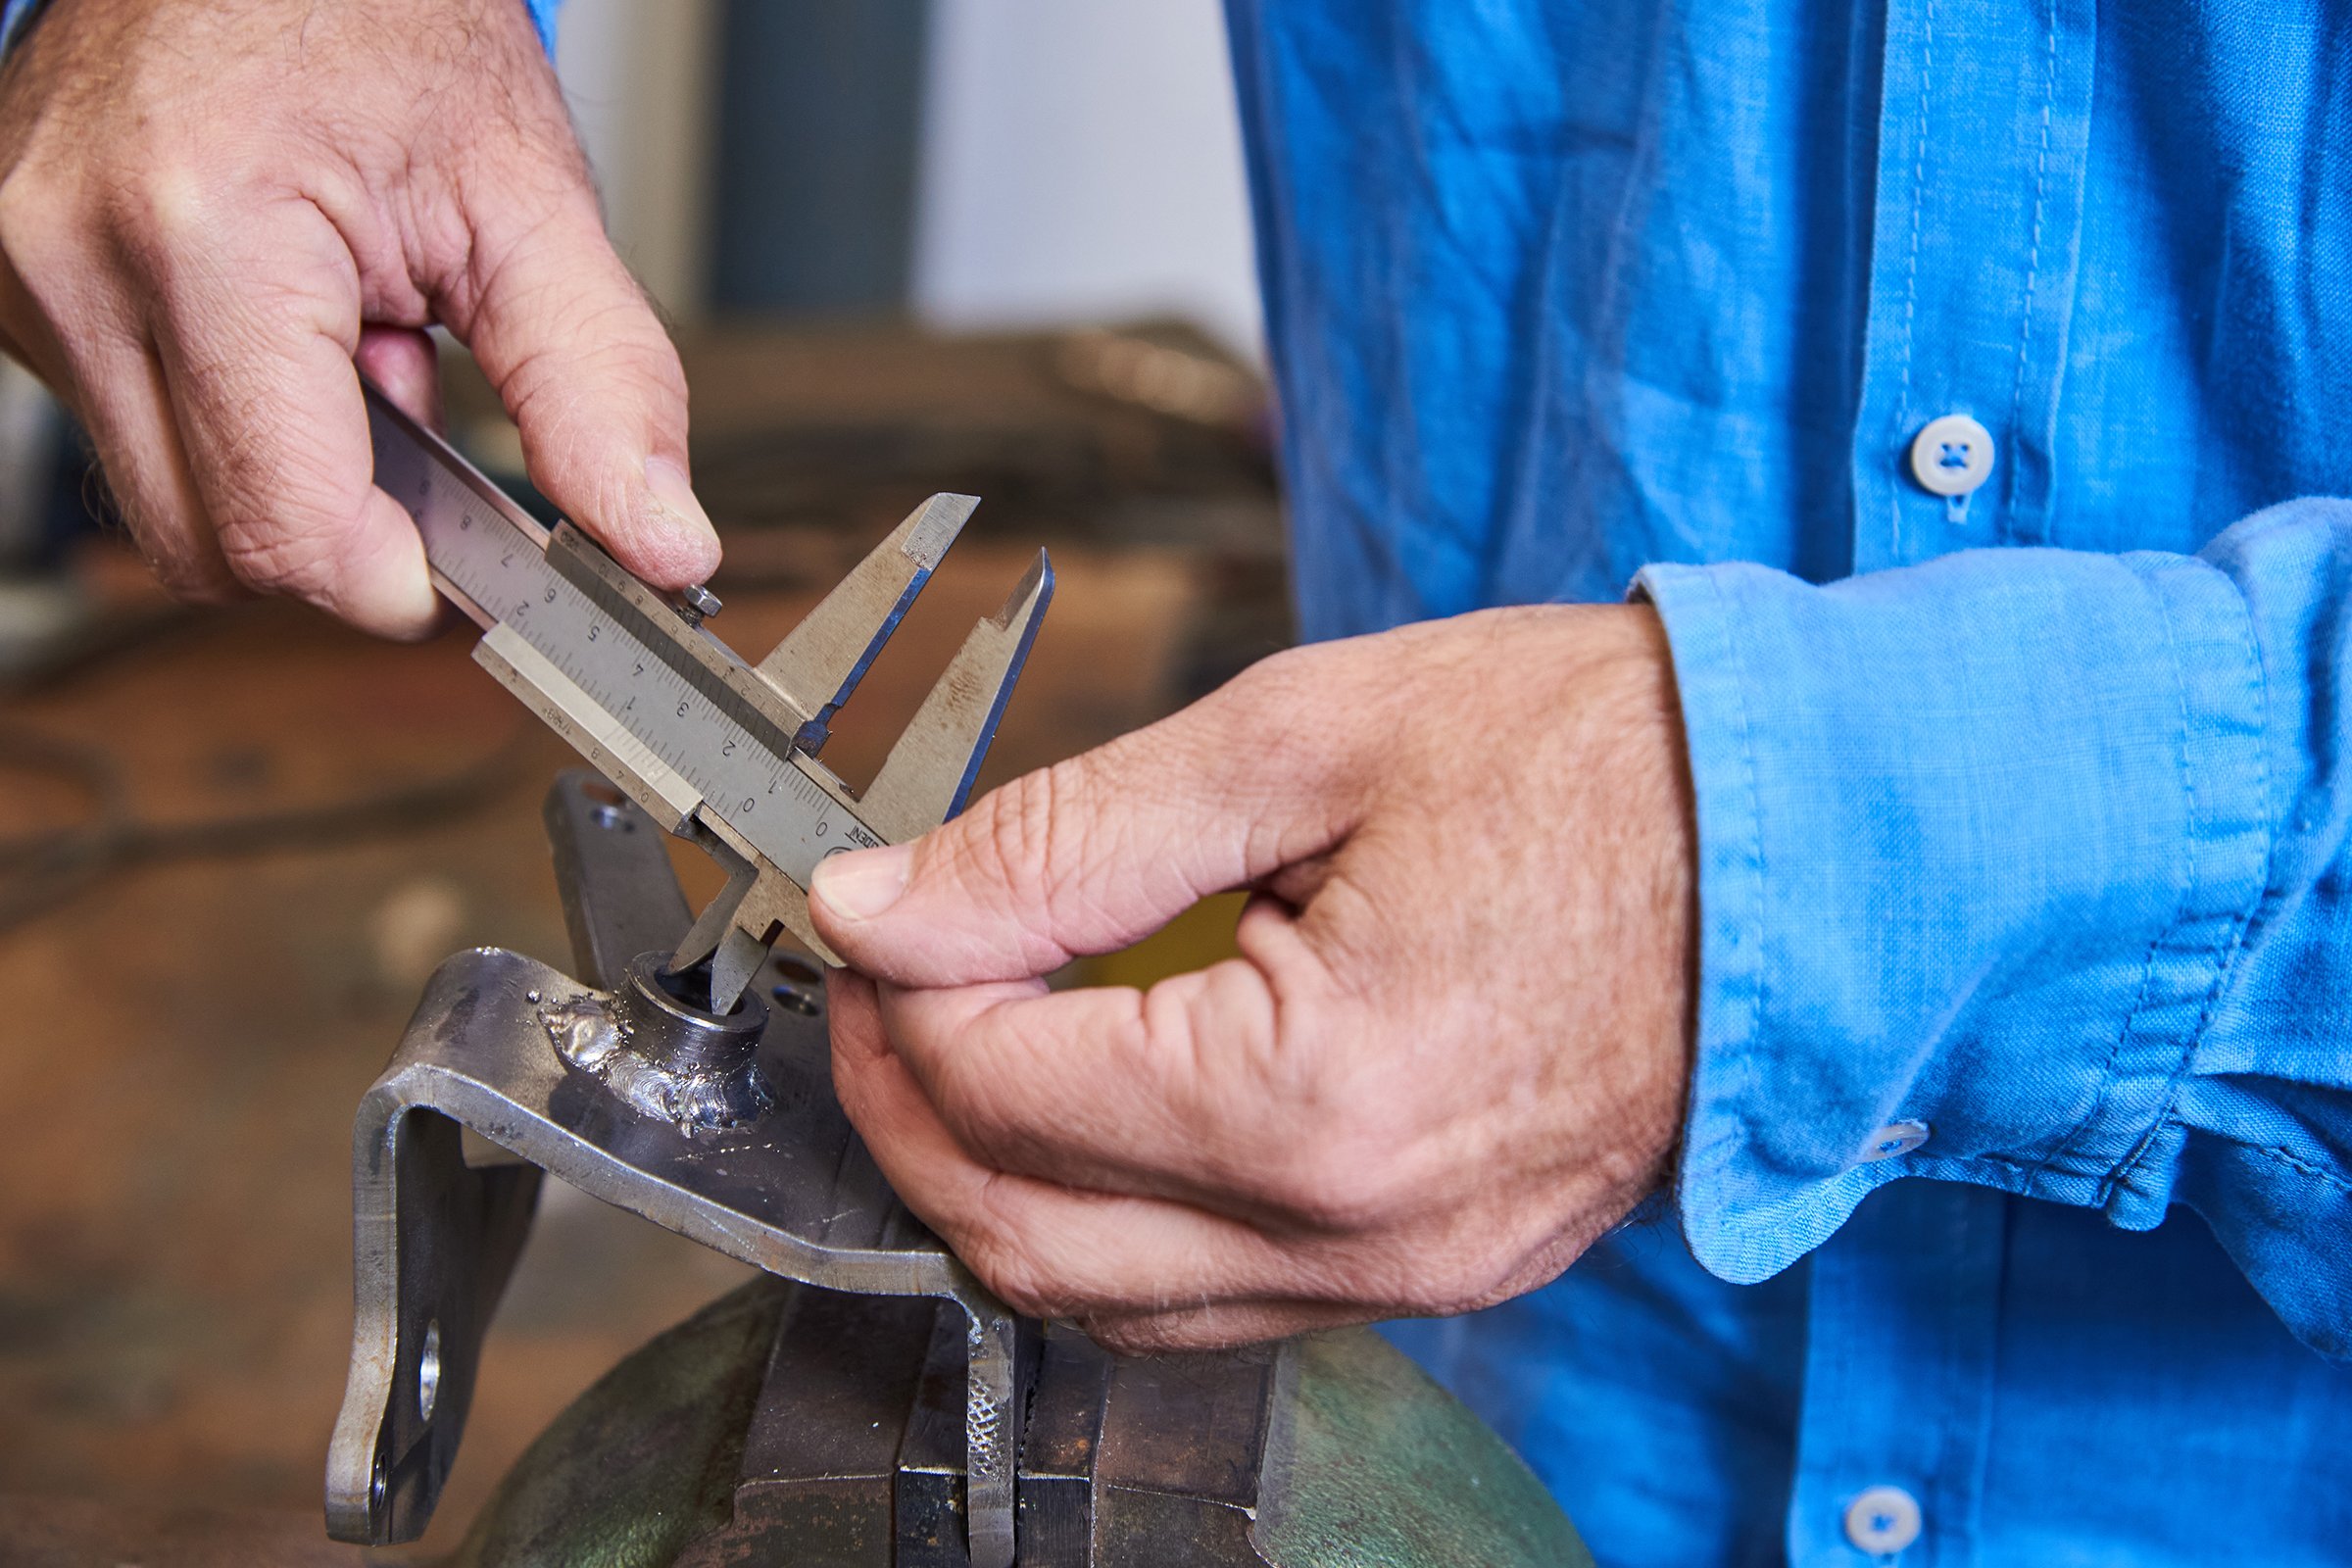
[
  {"x": 1901, "y": 1356},
  {"x": 1982, "y": 127}
]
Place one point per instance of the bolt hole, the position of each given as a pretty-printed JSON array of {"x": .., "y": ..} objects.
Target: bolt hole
[
  {"x": 428, "y": 1370},
  {"x": 794, "y": 1000},
  {"x": 799, "y": 971}
]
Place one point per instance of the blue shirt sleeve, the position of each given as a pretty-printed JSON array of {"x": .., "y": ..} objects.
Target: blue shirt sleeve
[
  {"x": 2042, "y": 856},
  {"x": 14, "y": 16}
]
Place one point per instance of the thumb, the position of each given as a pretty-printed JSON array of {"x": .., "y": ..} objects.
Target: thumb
[
  {"x": 584, "y": 367},
  {"x": 1082, "y": 858}
]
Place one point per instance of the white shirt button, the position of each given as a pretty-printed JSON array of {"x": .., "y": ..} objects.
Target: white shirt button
[
  {"x": 1952, "y": 456},
  {"x": 1896, "y": 1138},
  {"x": 1883, "y": 1521}
]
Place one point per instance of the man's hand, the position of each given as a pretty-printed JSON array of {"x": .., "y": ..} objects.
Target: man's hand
[
  {"x": 1451, "y": 1053},
  {"x": 208, "y": 210}
]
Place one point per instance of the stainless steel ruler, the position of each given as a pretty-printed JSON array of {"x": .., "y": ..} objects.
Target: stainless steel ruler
[{"x": 717, "y": 750}]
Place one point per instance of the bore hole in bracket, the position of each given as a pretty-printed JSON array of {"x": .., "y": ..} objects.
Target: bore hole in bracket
[{"x": 428, "y": 1370}]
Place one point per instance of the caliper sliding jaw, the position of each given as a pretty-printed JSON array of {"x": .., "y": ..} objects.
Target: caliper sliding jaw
[{"x": 721, "y": 1127}]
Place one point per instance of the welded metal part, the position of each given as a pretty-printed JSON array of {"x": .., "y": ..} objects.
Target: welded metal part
[
  {"x": 715, "y": 749},
  {"x": 664, "y": 1055},
  {"x": 434, "y": 1240},
  {"x": 793, "y": 1191}
]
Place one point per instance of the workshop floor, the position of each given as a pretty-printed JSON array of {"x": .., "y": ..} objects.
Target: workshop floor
[{"x": 185, "y": 1043}]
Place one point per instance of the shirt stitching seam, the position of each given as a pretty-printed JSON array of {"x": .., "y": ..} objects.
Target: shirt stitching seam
[
  {"x": 2271, "y": 1152},
  {"x": 1755, "y": 845},
  {"x": 2025, "y": 325},
  {"x": 1919, "y": 185},
  {"x": 2225, "y": 964}
]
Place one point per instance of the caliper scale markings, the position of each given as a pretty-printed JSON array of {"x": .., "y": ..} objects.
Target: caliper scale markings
[{"x": 715, "y": 749}]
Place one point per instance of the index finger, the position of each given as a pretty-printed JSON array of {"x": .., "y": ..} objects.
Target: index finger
[{"x": 256, "y": 354}]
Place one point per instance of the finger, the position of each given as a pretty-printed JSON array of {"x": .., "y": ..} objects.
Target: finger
[
  {"x": 404, "y": 363},
  {"x": 83, "y": 330},
  {"x": 1114, "y": 1089},
  {"x": 126, "y": 407},
  {"x": 1090, "y": 854},
  {"x": 590, "y": 376},
  {"x": 256, "y": 319},
  {"x": 106, "y": 370},
  {"x": 1050, "y": 1251}
]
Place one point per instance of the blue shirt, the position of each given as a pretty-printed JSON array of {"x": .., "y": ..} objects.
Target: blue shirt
[{"x": 2017, "y": 1175}]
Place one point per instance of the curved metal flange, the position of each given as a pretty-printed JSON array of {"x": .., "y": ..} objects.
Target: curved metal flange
[{"x": 795, "y": 1194}]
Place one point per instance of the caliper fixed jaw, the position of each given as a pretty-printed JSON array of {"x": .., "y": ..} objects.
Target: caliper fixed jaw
[
  {"x": 929, "y": 775},
  {"x": 820, "y": 662}
]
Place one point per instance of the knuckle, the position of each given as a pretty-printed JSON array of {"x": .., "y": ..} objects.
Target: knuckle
[
  {"x": 1361, "y": 1171},
  {"x": 30, "y": 219},
  {"x": 1347, "y": 1189},
  {"x": 154, "y": 220},
  {"x": 281, "y": 522},
  {"x": 1007, "y": 842},
  {"x": 569, "y": 395},
  {"x": 174, "y": 198},
  {"x": 273, "y": 556},
  {"x": 46, "y": 247}
]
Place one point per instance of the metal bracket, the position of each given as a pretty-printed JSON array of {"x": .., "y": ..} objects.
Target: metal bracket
[{"x": 792, "y": 1190}]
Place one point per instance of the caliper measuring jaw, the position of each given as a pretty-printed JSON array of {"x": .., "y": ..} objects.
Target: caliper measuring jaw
[{"x": 659, "y": 1079}]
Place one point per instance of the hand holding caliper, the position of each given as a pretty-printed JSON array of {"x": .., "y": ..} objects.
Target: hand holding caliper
[{"x": 206, "y": 212}]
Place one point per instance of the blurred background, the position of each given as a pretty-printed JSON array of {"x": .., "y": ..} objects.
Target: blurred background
[{"x": 995, "y": 246}]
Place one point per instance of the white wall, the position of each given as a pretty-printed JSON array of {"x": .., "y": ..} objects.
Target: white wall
[
  {"x": 1082, "y": 161},
  {"x": 637, "y": 75}
]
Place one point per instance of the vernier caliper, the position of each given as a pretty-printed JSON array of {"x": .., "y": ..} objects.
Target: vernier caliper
[{"x": 717, "y": 750}]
